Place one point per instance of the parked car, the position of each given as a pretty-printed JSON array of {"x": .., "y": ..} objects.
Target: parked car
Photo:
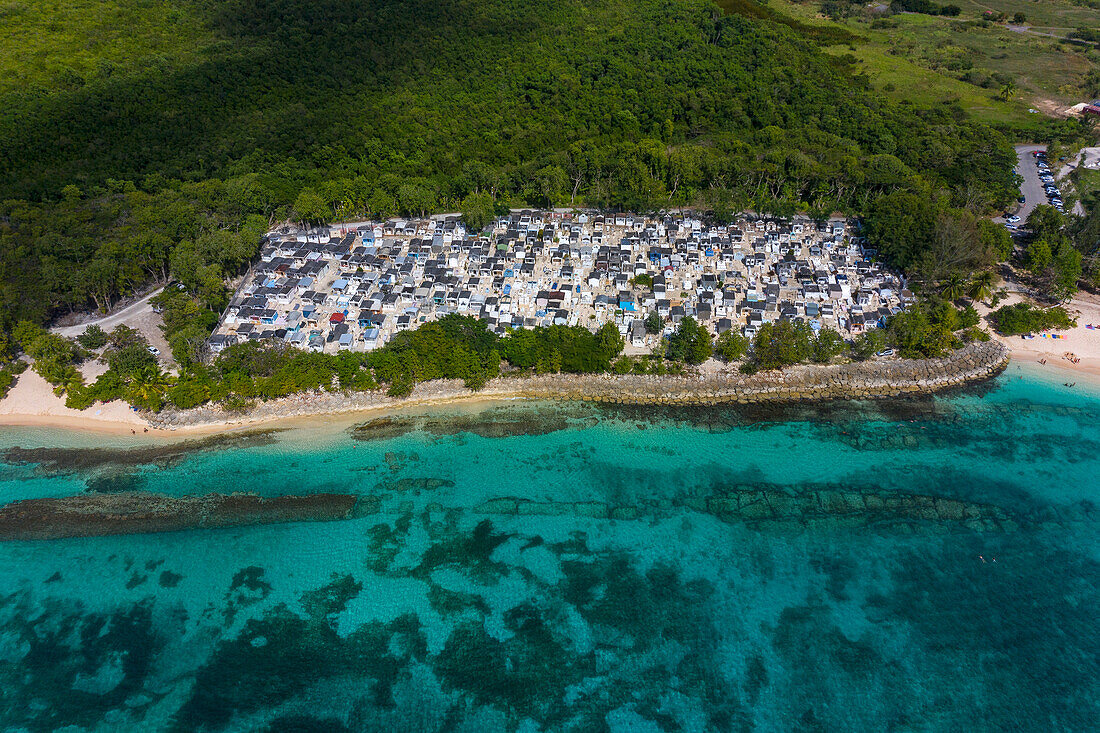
[
  {"x": 1013, "y": 219},
  {"x": 885, "y": 352},
  {"x": 1021, "y": 200},
  {"x": 154, "y": 351}
]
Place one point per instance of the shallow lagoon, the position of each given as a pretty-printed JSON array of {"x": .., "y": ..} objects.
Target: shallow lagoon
[{"x": 569, "y": 567}]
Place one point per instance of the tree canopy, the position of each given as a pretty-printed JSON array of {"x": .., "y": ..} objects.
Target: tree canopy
[{"x": 319, "y": 110}]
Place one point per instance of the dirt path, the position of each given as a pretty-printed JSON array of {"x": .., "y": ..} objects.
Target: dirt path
[
  {"x": 140, "y": 316},
  {"x": 107, "y": 322}
]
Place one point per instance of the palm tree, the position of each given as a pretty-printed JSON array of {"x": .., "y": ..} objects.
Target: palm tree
[
  {"x": 1007, "y": 90},
  {"x": 981, "y": 286},
  {"x": 953, "y": 287},
  {"x": 147, "y": 387}
]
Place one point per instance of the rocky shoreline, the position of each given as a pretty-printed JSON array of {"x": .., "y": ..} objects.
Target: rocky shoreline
[
  {"x": 971, "y": 364},
  {"x": 99, "y": 515}
]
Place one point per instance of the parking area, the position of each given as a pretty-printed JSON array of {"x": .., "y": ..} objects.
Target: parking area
[{"x": 1038, "y": 187}]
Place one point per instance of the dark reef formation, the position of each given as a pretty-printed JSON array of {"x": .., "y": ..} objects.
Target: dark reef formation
[
  {"x": 824, "y": 507},
  {"x": 97, "y": 515},
  {"x": 54, "y": 461}
]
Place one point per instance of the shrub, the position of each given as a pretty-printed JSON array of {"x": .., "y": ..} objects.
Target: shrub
[
  {"x": 868, "y": 344},
  {"x": 624, "y": 365},
  {"x": 827, "y": 345},
  {"x": 8, "y": 375},
  {"x": 920, "y": 334},
  {"x": 731, "y": 346},
  {"x": 93, "y": 338},
  {"x": 1012, "y": 320},
  {"x": 968, "y": 317},
  {"x": 236, "y": 403},
  {"x": 976, "y": 334},
  {"x": 690, "y": 343},
  {"x": 782, "y": 343}
]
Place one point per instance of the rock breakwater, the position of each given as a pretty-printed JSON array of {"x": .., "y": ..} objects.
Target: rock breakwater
[{"x": 971, "y": 364}]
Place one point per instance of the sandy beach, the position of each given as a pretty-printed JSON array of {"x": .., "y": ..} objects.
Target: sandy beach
[
  {"x": 32, "y": 403},
  {"x": 1082, "y": 342}
]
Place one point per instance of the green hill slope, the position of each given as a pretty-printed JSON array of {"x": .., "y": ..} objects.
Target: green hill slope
[
  {"x": 418, "y": 89},
  {"x": 388, "y": 106}
]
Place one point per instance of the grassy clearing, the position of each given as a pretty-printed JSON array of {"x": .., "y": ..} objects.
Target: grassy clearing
[
  {"x": 1087, "y": 183},
  {"x": 930, "y": 59},
  {"x": 1046, "y": 14}
]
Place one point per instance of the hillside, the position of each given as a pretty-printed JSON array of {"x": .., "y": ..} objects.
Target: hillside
[
  {"x": 422, "y": 88},
  {"x": 997, "y": 59},
  {"x": 382, "y": 107}
]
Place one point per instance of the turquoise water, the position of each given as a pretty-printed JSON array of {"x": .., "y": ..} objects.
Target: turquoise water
[{"x": 568, "y": 567}]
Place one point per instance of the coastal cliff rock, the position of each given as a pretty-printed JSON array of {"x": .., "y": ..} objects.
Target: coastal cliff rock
[
  {"x": 971, "y": 364},
  {"x": 96, "y": 515}
]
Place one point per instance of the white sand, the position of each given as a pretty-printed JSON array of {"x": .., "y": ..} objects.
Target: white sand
[
  {"x": 1082, "y": 342},
  {"x": 31, "y": 401}
]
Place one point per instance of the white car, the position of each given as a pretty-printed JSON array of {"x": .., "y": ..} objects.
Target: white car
[
  {"x": 885, "y": 352},
  {"x": 1013, "y": 219},
  {"x": 154, "y": 351}
]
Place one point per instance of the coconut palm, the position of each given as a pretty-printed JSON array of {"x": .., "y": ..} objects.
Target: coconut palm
[
  {"x": 147, "y": 387},
  {"x": 953, "y": 287},
  {"x": 981, "y": 286}
]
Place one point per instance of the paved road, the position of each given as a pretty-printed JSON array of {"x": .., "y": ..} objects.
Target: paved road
[{"x": 131, "y": 312}]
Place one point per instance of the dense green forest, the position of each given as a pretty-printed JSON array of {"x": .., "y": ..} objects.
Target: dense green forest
[{"x": 171, "y": 158}]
